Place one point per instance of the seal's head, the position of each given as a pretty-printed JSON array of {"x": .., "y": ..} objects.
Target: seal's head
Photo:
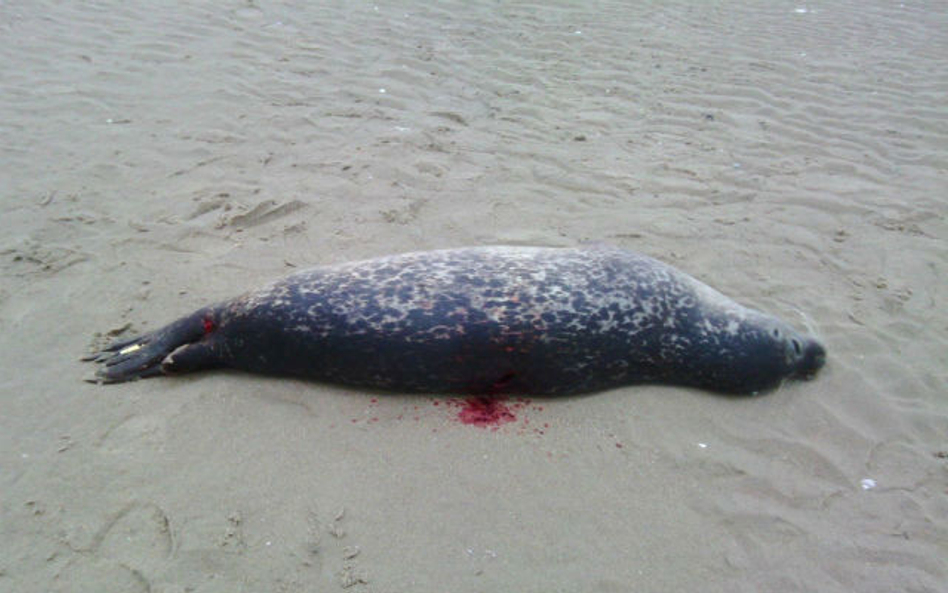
[
  {"x": 809, "y": 356},
  {"x": 754, "y": 353}
]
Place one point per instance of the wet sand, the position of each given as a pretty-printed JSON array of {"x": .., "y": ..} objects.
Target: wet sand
[{"x": 157, "y": 159}]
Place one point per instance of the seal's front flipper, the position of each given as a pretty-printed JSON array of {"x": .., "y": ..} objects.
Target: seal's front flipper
[{"x": 142, "y": 356}]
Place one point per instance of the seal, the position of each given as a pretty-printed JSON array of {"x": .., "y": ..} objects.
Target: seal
[{"x": 484, "y": 320}]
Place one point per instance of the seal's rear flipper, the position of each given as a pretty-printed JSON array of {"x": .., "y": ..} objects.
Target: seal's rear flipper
[
  {"x": 188, "y": 358},
  {"x": 142, "y": 356}
]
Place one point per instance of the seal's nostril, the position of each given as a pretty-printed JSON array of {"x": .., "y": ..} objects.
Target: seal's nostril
[{"x": 797, "y": 348}]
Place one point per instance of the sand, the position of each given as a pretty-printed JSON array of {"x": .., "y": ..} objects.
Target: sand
[{"x": 157, "y": 158}]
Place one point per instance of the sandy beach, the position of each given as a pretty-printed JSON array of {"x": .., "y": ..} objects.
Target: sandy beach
[{"x": 154, "y": 159}]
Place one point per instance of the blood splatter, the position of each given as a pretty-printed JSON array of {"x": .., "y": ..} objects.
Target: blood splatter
[
  {"x": 208, "y": 325},
  {"x": 485, "y": 411},
  {"x": 490, "y": 411}
]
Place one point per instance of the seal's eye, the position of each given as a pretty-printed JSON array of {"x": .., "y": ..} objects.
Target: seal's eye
[
  {"x": 776, "y": 332},
  {"x": 797, "y": 348}
]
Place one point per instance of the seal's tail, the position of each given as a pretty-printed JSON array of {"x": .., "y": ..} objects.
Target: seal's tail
[{"x": 150, "y": 354}]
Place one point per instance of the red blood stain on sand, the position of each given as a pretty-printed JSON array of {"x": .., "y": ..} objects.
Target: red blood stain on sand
[
  {"x": 486, "y": 412},
  {"x": 490, "y": 412}
]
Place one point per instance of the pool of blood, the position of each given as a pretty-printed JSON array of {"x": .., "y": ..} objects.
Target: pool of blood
[{"x": 485, "y": 411}]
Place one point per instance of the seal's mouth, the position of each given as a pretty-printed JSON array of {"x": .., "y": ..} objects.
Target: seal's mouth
[{"x": 812, "y": 359}]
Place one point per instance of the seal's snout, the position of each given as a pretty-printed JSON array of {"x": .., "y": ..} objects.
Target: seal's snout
[{"x": 812, "y": 357}]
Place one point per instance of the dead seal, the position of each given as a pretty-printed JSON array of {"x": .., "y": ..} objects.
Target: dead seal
[{"x": 486, "y": 320}]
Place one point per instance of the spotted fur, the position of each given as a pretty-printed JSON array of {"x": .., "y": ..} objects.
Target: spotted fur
[{"x": 483, "y": 320}]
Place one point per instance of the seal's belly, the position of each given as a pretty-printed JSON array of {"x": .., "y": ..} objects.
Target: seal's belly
[{"x": 443, "y": 342}]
